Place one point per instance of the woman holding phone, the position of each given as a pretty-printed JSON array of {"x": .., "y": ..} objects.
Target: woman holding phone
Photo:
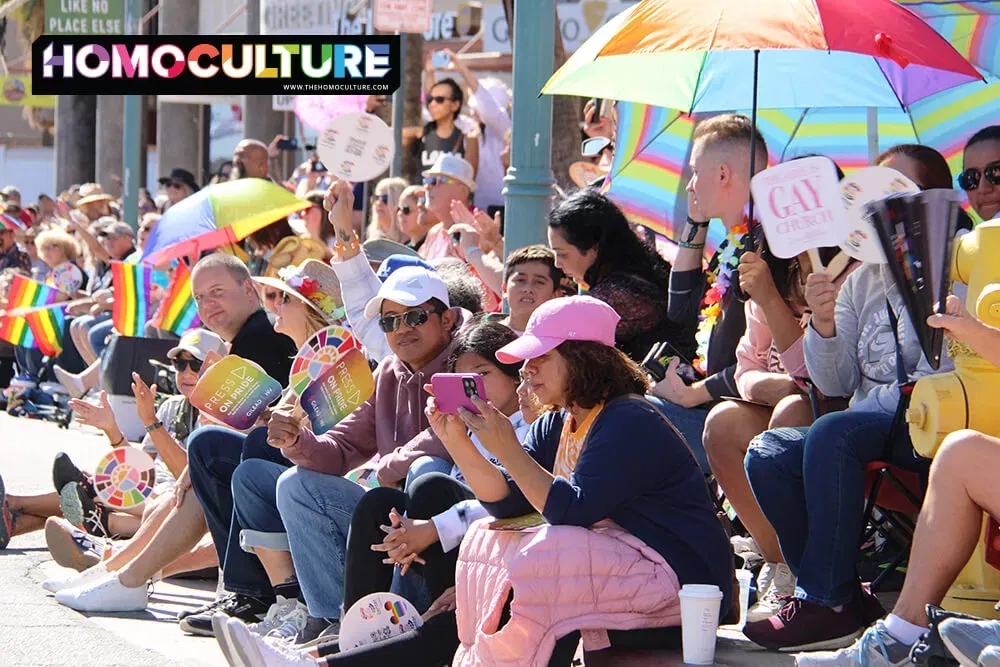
[{"x": 601, "y": 452}]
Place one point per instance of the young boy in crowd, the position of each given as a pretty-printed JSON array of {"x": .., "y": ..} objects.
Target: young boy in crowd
[{"x": 530, "y": 279}]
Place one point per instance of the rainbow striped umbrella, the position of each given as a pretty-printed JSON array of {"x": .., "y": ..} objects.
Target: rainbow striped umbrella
[
  {"x": 649, "y": 172},
  {"x": 971, "y": 26}
]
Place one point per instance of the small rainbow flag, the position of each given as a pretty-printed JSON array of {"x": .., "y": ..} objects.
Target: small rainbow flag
[
  {"x": 131, "y": 283},
  {"x": 178, "y": 311},
  {"x": 47, "y": 325},
  {"x": 25, "y": 294},
  {"x": 15, "y": 330}
]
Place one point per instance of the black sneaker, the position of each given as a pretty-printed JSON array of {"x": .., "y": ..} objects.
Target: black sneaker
[
  {"x": 205, "y": 609},
  {"x": 78, "y": 507},
  {"x": 247, "y": 609},
  {"x": 65, "y": 471}
]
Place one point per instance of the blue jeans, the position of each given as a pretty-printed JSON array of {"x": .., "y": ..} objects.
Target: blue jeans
[
  {"x": 213, "y": 456},
  {"x": 691, "y": 424},
  {"x": 810, "y": 485},
  {"x": 316, "y": 510},
  {"x": 98, "y": 336},
  {"x": 255, "y": 486},
  {"x": 426, "y": 465}
]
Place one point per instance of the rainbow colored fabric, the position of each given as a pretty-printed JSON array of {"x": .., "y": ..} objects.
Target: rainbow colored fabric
[
  {"x": 131, "y": 310},
  {"x": 178, "y": 311},
  {"x": 650, "y": 169},
  {"x": 47, "y": 326},
  {"x": 24, "y": 297},
  {"x": 972, "y": 27}
]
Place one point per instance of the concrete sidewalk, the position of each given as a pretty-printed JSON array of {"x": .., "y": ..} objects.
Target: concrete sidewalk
[{"x": 37, "y": 631}]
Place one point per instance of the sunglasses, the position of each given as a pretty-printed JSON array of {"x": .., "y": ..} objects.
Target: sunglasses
[
  {"x": 382, "y": 198},
  {"x": 438, "y": 99},
  {"x": 969, "y": 179},
  {"x": 175, "y": 184},
  {"x": 431, "y": 181},
  {"x": 181, "y": 364},
  {"x": 413, "y": 319}
]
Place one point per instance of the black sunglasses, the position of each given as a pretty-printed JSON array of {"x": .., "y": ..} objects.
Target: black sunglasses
[
  {"x": 193, "y": 364},
  {"x": 413, "y": 318},
  {"x": 438, "y": 99},
  {"x": 383, "y": 198},
  {"x": 969, "y": 179}
]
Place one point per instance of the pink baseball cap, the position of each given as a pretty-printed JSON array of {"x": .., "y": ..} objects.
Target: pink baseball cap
[{"x": 560, "y": 320}]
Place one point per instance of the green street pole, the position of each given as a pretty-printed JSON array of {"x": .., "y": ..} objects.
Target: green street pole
[
  {"x": 132, "y": 136},
  {"x": 529, "y": 185}
]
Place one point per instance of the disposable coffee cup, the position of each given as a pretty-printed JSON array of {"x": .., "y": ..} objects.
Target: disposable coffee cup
[
  {"x": 745, "y": 577},
  {"x": 699, "y": 622}
]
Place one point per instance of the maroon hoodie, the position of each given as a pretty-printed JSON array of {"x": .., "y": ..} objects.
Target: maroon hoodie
[{"x": 391, "y": 423}]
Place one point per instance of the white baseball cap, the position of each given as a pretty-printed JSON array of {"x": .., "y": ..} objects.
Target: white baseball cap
[
  {"x": 198, "y": 343},
  {"x": 409, "y": 286},
  {"x": 454, "y": 166}
]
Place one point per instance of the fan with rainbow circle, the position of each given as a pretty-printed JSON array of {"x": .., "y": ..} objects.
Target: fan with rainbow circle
[
  {"x": 125, "y": 478},
  {"x": 319, "y": 353}
]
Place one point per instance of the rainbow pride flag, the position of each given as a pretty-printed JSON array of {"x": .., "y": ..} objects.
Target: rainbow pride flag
[
  {"x": 178, "y": 311},
  {"x": 25, "y": 294},
  {"x": 131, "y": 283},
  {"x": 47, "y": 326},
  {"x": 15, "y": 330}
]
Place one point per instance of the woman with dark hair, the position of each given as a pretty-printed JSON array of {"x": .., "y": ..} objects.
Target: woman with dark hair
[
  {"x": 442, "y": 135},
  {"x": 921, "y": 164},
  {"x": 595, "y": 246},
  {"x": 601, "y": 453},
  {"x": 261, "y": 243}
]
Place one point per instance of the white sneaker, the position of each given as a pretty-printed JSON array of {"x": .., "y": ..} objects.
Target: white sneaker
[
  {"x": 990, "y": 657},
  {"x": 774, "y": 582},
  {"x": 284, "y": 612},
  {"x": 257, "y": 651},
  {"x": 875, "y": 648},
  {"x": 76, "y": 580},
  {"x": 105, "y": 595}
]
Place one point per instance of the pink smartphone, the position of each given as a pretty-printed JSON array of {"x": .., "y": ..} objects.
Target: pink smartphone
[{"x": 453, "y": 391}]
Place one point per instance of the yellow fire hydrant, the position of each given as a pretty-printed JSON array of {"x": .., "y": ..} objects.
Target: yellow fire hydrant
[{"x": 966, "y": 398}]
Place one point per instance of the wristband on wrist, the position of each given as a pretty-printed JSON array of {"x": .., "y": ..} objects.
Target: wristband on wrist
[
  {"x": 120, "y": 441},
  {"x": 693, "y": 229},
  {"x": 155, "y": 425},
  {"x": 696, "y": 223},
  {"x": 690, "y": 246}
]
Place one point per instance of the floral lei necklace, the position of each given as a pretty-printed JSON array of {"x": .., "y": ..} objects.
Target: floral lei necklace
[{"x": 722, "y": 271}]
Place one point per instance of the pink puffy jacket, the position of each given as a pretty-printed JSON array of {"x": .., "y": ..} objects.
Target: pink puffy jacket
[{"x": 564, "y": 578}]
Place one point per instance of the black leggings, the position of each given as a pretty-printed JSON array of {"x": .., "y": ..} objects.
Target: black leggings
[
  {"x": 364, "y": 571},
  {"x": 433, "y": 644}
]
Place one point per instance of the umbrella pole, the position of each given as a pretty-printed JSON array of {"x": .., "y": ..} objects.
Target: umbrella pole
[
  {"x": 748, "y": 244},
  {"x": 753, "y": 143}
]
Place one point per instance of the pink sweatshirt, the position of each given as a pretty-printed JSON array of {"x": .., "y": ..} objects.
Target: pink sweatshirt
[
  {"x": 756, "y": 354},
  {"x": 391, "y": 424}
]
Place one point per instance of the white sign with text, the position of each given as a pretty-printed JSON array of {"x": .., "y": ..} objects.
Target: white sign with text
[
  {"x": 356, "y": 147},
  {"x": 862, "y": 187},
  {"x": 799, "y": 206},
  {"x": 403, "y": 15}
]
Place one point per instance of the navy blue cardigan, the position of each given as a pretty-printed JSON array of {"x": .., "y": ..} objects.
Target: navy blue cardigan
[{"x": 637, "y": 471}]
